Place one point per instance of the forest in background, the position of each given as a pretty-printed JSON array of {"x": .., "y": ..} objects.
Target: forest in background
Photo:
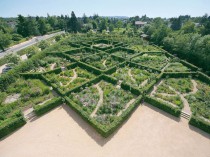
[{"x": 185, "y": 36}]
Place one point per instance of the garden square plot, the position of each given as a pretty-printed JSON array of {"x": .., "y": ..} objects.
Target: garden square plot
[
  {"x": 177, "y": 67},
  {"x": 135, "y": 76},
  {"x": 50, "y": 62},
  {"x": 102, "y": 61},
  {"x": 103, "y": 101},
  {"x": 153, "y": 60},
  {"x": 20, "y": 95},
  {"x": 124, "y": 53},
  {"x": 102, "y": 44},
  {"x": 199, "y": 100},
  {"x": 174, "y": 91},
  {"x": 81, "y": 53},
  {"x": 69, "y": 79}
]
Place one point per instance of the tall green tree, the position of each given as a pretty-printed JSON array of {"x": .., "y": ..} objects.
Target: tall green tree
[
  {"x": 5, "y": 40},
  {"x": 42, "y": 26},
  {"x": 73, "y": 23},
  {"x": 22, "y": 26}
]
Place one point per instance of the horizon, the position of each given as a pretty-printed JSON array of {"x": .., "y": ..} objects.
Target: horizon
[{"x": 163, "y": 8}]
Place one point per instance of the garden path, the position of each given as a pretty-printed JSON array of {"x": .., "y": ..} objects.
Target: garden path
[
  {"x": 2, "y": 67},
  {"x": 131, "y": 76},
  {"x": 52, "y": 66},
  {"x": 72, "y": 78},
  {"x": 144, "y": 83},
  {"x": 186, "y": 108},
  {"x": 195, "y": 89},
  {"x": 104, "y": 63},
  {"x": 100, "y": 102},
  {"x": 165, "y": 67},
  {"x": 126, "y": 106}
]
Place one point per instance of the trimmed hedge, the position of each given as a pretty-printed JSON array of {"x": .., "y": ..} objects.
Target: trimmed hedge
[
  {"x": 200, "y": 123},
  {"x": 133, "y": 90},
  {"x": 42, "y": 109},
  {"x": 191, "y": 66},
  {"x": 175, "y": 111},
  {"x": 201, "y": 76},
  {"x": 178, "y": 74},
  {"x": 11, "y": 126}
]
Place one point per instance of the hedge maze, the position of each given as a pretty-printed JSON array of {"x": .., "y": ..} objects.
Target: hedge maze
[{"x": 104, "y": 81}]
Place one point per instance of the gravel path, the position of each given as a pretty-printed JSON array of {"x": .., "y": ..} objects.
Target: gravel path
[
  {"x": 148, "y": 132},
  {"x": 100, "y": 102},
  {"x": 104, "y": 63},
  {"x": 126, "y": 106},
  {"x": 131, "y": 76},
  {"x": 52, "y": 66}
]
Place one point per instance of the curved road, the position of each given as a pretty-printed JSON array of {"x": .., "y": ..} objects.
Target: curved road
[{"x": 30, "y": 42}]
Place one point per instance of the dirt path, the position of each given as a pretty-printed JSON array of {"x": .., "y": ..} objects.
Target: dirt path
[
  {"x": 2, "y": 67},
  {"x": 186, "y": 108},
  {"x": 100, "y": 102},
  {"x": 195, "y": 89},
  {"x": 131, "y": 76},
  {"x": 23, "y": 57},
  {"x": 119, "y": 84},
  {"x": 104, "y": 63},
  {"x": 148, "y": 132},
  {"x": 12, "y": 98},
  {"x": 72, "y": 78},
  {"x": 52, "y": 66},
  {"x": 144, "y": 83},
  {"x": 126, "y": 106},
  {"x": 165, "y": 67},
  {"x": 155, "y": 87}
]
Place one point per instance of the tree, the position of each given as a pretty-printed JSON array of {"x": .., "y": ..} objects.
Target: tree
[
  {"x": 42, "y": 26},
  {"x": 94, "y": 25},
  {"x": 5, "y": 40},
  {"x": 103, "y": 25},
  {"x": 73, "y": 23},
  {"x": 189, "y": 27},
  {"x": 31, "y": 26},
  {"x": 111, "y": 27},
  {"x": 22, "y": 26},
  {"x": 119, "y": 24},
  {"x": 85, "y": 19},
  {"x": 176, "y": 23}
]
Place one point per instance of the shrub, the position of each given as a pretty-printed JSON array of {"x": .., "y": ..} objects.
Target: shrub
[
  {"x": 175, "y": 111},
  {"x": 41, "y": 109},
  {"x": 11, "y": 125},
  {"x": 200, "y": 123}
]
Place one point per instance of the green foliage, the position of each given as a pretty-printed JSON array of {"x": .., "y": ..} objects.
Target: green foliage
[
  {"x": 200, "y": 123},
  {"x": 49, "y": 105},
  {"x": 11, "y": 125},
  {"x": 175, "y": 111}
]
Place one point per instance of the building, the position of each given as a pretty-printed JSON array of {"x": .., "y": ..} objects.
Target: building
[{"x": 140, "y": 23}]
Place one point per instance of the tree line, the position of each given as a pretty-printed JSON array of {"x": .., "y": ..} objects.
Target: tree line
[{"x": 185, "y": 36}]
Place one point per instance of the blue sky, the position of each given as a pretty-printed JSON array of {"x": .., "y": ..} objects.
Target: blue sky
[{"x": 152, "y": 8}]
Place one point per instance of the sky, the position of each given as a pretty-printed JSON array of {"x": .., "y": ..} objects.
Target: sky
[{"x": 152, "y": 8}]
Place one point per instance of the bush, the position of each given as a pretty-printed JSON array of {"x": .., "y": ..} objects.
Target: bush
[
  {"x": 200, "y": 123},
  {"x": 41, "y": 109},
  {"x": 175, "y": 111},
  {"x": 11, "y": 125}
]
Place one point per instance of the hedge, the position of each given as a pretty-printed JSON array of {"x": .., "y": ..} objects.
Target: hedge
[
  {"x": 191, "y": 66},
  {"x": 175, "y": 111},
  {"x": 49, "y": 105},
  {"x": 128, "y": 87},
  {"x": 11, "y": 126},
  {"x": 200, "y": 123},
  {"x": 178, "y": 74},
  {"x": 201, "y": 76},
  {"x": 89, "y": 68}
]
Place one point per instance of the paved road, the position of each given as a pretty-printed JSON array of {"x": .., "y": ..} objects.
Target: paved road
[{"x": 23, "y": 45}]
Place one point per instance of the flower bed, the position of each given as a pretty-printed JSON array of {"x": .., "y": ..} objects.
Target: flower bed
[{"x": 157, "y": 61}]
